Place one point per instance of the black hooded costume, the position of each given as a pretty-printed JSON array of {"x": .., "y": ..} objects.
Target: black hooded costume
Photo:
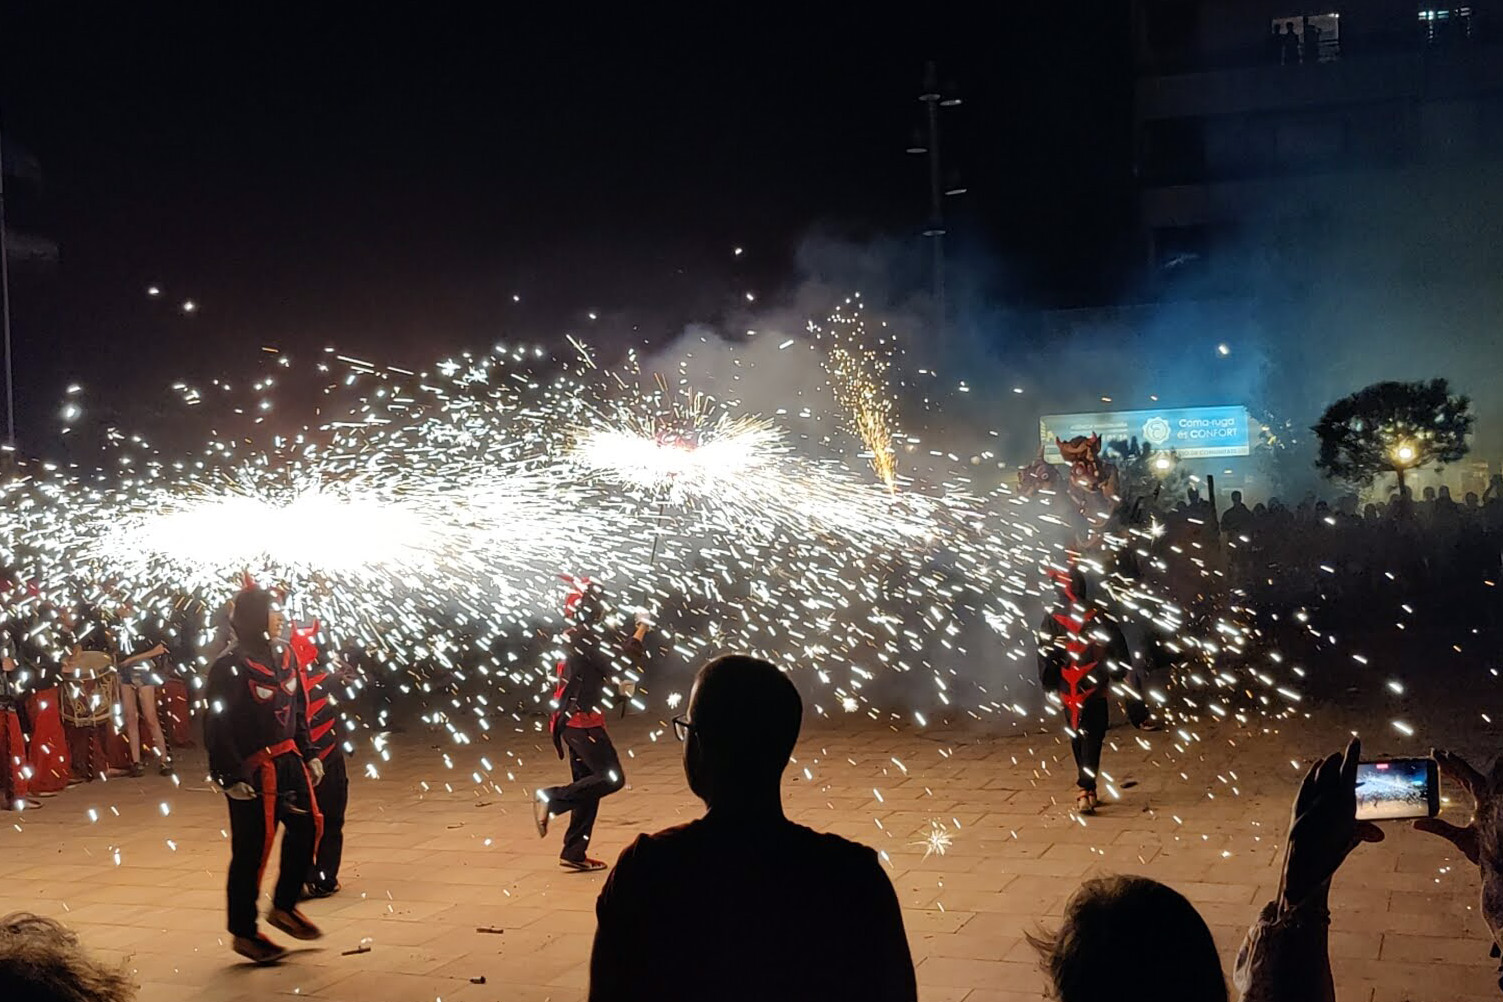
[
  {"x": 256, "y": 731},
  {"x": 578, "y": 722}
]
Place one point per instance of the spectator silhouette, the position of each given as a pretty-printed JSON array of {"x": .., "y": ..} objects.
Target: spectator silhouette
[
  {"x": 1289, "y": 45},
  {"x": 1238, "y": 518},
  {"x": 1084, "y": 961},
  {"x": 1312, "y": 41},
  {"x": 41, "y": 960},
  {"x": 743, "y": 903}
]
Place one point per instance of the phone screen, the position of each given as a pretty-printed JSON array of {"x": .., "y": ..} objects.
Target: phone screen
[{"x": 1396, "y": 788}]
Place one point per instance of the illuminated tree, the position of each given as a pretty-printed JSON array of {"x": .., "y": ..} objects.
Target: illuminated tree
[{"x": 1392, "y": 428}]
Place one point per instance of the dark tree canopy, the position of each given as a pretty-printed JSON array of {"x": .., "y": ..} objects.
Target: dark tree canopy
[{"x": 1392, "y": 428}]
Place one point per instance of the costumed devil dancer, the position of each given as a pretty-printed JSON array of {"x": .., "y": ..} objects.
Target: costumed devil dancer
[
  {"x": 1097, "y": 509},
  {"x": 1080, "y": 649},
  {"x": 593, "y": 654},
  {"x": 260, "y": 754},
  {"x": 322, "y": 691}
]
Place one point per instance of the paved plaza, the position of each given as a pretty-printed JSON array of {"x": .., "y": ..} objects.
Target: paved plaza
[{"x": 450, "y": 895}]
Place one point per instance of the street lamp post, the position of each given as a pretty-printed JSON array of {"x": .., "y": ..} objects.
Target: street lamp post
[
  {"x": 10, "y": 382},
  {"x": 935, "y": 231},
  {"x": 1403, "y": 454}
]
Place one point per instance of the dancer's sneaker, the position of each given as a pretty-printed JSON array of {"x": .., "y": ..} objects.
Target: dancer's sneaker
[
  {"x": 1149, "y": 724},
  {"x": 314, "y": 890},
  {"x": 586, "y": 865},
  {"x": 258, "y": 949},
  {"x": 540, "y": 814},
  {"x": 1085, "y": 801},
  {"x": 294, "y": 923}
]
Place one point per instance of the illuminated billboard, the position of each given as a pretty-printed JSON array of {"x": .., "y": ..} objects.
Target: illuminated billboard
[{"x": 1192, "y": 432}]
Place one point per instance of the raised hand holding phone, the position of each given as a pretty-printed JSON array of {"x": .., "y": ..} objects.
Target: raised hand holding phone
[{"x": 1323, "y": 827}]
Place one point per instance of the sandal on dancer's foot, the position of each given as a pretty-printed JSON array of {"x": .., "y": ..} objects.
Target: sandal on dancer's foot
[
  {"x": 586, "y": 865},
  {"x": 1085, "y": 802},
  {"x": 294, "y": 923},
  {"x": 258, "y": 949}
]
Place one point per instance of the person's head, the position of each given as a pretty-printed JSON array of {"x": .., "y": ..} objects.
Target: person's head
[
  {"x": 1072, "y": 584},
  {"x": 743, "y": 721},
  {"x": 1259, "y": 509},
  {"x": 255, "y": 618},
  {"x": 1236, "y": 497},
  {"x": 1471, "y": 499},
  {"x": 1445, "y": 492},
  {"x": 1084, "y": 961},
  {"x": 1429, "y": 494},
  {"x": 1369, "y": 510},
  {"x": 41, "y": 961}
]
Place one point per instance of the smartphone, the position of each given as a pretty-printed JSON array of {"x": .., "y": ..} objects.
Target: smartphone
[{"x": 1392, "y": 788}]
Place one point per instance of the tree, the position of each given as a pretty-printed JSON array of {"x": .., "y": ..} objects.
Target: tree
[{"x": 1392, "y": 428}]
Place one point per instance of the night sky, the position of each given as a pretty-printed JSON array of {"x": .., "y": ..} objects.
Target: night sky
[{"x": 387, "y": 182}]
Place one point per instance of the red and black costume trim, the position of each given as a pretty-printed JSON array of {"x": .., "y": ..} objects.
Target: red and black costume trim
[{"x": 256, "y": 730}]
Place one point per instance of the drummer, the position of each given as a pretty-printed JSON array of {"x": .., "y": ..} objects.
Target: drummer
[{"x": 82, "y": 636}]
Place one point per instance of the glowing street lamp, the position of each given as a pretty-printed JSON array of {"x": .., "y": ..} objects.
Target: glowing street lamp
[{"x": 1403, "y": 454}]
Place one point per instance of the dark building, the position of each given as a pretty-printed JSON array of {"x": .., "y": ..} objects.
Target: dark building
[{"x": 1266, "y": 113}]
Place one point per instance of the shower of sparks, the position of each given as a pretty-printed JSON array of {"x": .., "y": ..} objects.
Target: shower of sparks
[
  {"x": 858, "y": 379},
  {"x": 936, "y": 840},
  {"x": 425, "y": 516}
]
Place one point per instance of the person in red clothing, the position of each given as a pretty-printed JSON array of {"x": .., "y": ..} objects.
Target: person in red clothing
[
  {"x": 15, "y": 770},
  {"x": 1080, "y": 650},
  {"x": 324, "y": 689},
  {"x": 260, "y": 755},
  {"x": 593, "y": 656}
]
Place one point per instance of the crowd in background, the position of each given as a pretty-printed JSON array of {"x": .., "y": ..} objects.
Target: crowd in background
[{"x": 1352, "y": 559}]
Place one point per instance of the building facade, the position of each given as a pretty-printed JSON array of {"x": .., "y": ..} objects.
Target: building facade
[{"x": 1259, "y": 114}]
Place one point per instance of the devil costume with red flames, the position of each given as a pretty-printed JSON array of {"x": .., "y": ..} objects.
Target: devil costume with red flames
[
  {"x": 593, "y": 655},
  {"x": 262, "y": 756},
  {"x": 1080, "y": 649}
]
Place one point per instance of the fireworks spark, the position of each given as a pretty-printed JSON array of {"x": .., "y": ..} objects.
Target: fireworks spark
[
  {"x": 936, "y": 841},
  {"x": 858, "y": 379}
]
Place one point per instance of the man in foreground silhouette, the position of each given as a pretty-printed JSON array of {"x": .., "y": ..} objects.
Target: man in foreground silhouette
[{"x": 743, "y": 903}]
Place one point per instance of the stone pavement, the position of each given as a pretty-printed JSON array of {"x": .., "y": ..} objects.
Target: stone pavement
[{"x": 446, "y": 883}]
